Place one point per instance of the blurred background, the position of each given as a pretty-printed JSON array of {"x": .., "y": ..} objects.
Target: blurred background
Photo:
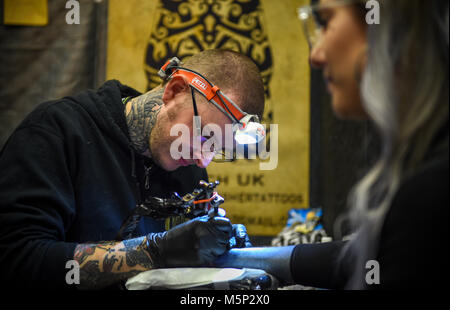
[{"x": 46, "y": 54}]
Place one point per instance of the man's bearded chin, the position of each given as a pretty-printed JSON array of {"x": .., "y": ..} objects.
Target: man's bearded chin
[{"x": 158, "y": 146}]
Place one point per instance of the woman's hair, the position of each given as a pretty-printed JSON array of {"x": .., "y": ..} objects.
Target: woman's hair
[{"x": 405, "y": 93}]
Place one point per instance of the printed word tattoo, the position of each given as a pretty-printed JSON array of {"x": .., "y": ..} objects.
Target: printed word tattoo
[
  {"x": 141, "y": 114},
  {"x": 108, "y": 263}
]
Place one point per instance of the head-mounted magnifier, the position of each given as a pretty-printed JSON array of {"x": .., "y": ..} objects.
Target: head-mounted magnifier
[{"x": 246, "y": 127}]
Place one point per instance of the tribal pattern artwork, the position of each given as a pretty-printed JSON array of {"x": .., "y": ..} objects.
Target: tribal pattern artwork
[{"x": 184, "y": 28}]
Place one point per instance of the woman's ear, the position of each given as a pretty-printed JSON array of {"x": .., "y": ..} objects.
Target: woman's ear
[{"x": 174, "y": 87}]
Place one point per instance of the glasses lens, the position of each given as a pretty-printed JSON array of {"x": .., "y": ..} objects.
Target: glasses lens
[
  {"x": 311, "y": 28},
  {"x": 223, "y": 156}
]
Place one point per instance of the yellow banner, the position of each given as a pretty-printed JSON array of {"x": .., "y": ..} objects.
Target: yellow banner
[
  {"x": 25, "y": 12},
  {"x": 143, "y": 34}
]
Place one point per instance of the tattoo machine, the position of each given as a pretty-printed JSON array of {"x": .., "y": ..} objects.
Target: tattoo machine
[{"x": 203, "y": 200}]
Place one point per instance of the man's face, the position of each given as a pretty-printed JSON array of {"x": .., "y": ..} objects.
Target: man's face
[{"x": 180, "y": 115}]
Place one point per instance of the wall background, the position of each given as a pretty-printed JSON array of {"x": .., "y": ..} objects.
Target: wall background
[{"x": 40, "y": 63}]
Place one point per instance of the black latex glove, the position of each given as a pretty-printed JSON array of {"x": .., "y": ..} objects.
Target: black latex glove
[
  {"x": 197, "y": 242},
  {"x": 240, "y": 237}
]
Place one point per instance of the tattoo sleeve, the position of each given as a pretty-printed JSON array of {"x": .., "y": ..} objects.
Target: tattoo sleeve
[{"x": 108, "y": 263}]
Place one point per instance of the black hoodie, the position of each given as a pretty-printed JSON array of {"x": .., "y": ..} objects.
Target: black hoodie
[{"x": 69, "y": 175}]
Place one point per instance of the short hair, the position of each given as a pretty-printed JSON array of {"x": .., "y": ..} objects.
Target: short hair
[{"x": 233, "y": 73}]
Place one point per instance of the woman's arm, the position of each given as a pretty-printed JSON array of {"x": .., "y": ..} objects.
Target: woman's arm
[
  {"x": 314, "y": 265},
  {"x": 273, "y": 260}
]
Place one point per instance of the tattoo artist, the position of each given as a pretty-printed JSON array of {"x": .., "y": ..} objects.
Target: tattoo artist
[{"x": 76, "y": 167}]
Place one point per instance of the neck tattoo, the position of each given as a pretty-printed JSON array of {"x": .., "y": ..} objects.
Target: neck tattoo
[{"x": 141, "y": 113}]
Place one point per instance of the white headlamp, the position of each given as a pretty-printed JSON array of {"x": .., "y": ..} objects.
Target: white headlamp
[{"x": 248, "y": 131}]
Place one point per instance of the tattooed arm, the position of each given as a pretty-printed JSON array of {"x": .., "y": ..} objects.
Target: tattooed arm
[
  {"x": 195, "y": 243},
  {"x": 107, "y": 263}
]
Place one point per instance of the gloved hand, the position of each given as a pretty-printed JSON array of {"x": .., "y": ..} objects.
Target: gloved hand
[
  {"x": 197, "y": 242},
  {"x": 239, "y": 238}
]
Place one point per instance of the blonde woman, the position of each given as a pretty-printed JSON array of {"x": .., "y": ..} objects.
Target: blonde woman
[{"x": 394, "y": 73}]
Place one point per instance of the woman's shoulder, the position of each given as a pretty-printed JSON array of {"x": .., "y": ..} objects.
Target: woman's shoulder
[
  {"x": 413, "y": 242},
  {"x": 428, "y": 184}
]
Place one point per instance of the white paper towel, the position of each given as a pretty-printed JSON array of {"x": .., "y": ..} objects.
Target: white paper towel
[{"x": 181, "y": 278}]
